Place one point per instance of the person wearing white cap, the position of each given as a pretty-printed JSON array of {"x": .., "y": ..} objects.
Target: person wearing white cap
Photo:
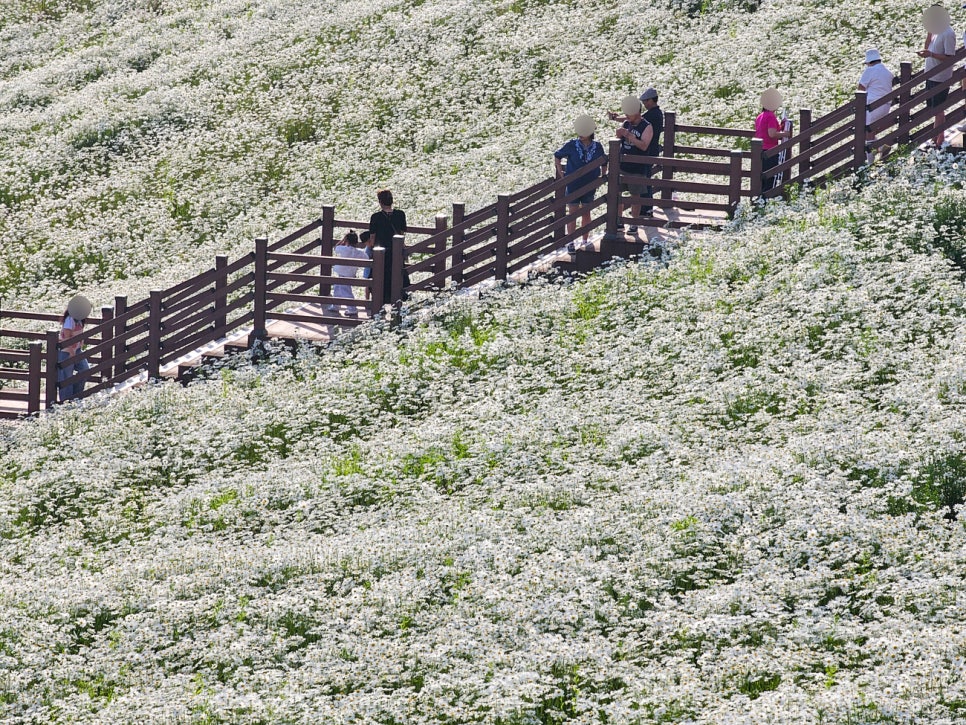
[
  {"x": 578, "y": 153},
  {"x": 876, "y": 81},
  {"x": 769, "y": 130},
  {"x": 78, "y": 310},
  {"x": 940, "y": 46}
]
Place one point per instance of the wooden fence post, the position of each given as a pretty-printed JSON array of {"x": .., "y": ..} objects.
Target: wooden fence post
[
  {"x": 34, "y": 366},
  {"x": 858, "y": 151},
  {"x": 220, "y": 318},
  {"x": 667, "y": 172},
  {"x": 378, "y": 279},
  {"x": 327, "y": 242},
  {"x": 613, "y": 191},
  {"x": 260, "y": 293},
  {"x": 396, "y": 279},
  {"x": 459, "y": 212},
  {"x": 440, "y": 247},
  {"x": 905, "y": 75},
  {"x": 756, "y": 168},
  {"x": 804, "y": 126},
  {"x": 154, "y": 335},
  {"x": 120, "y": 339},
  {"x": 734, "y": 185},
  {"x": 51, "y": 395},
  {"x": 107, "y": 357},
  {"x": 502, "y": 235},
  {"x": 559, "y": 212}
]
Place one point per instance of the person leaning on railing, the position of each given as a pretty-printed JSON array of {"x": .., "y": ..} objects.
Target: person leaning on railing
[
  {"x": 876, "y": 81},
  {"x": 78, "y": 310},
  {"x": 769, "y": 130},
  {"x": 348, "y": 248},
  {"x": 578, "y": 153},
  {"x": 940, "y": 46}
]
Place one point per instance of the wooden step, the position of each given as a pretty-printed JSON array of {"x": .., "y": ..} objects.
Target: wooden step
[
  {"x": 213, "y": 355},
  {"x": 233, "y": 347}
]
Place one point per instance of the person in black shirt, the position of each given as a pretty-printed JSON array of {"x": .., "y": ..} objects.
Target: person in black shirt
[
  {"x": 654, "y": 116},
  {"x": 635, "y": 135},
  {"x": 384, "y": 225}
]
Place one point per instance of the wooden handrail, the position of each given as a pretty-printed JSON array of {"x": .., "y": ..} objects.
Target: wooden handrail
[
  {"x": 920, "y": 77},
  {"x": 492, "y": 241}
]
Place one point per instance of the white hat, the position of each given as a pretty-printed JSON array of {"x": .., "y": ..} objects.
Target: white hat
[
  {"x": 584, "y": 125},
  {"x": 630, "y": 105},
  {"x": 771, "y": 100},
  {"x": 872, "y": 55},
  {"x": 79, "y": 307},
  {"x": 935, "y": 19}
]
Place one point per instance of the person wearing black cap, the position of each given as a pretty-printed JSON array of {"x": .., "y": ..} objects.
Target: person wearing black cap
[
  {"x": 78, "y": 310},
  {"x": 654, "y": 116}
]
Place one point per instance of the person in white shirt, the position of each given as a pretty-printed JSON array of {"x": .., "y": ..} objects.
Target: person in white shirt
[
  {"x": 348, "y": 248},
  {"x": 940, "y": 46},
  {"x": 876, "y": 81}
]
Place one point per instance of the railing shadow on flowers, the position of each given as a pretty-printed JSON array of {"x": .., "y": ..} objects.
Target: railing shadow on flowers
[{"x": 290, "y": 281}]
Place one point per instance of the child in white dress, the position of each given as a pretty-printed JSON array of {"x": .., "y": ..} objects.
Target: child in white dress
[{"x": 347, "y": 248}]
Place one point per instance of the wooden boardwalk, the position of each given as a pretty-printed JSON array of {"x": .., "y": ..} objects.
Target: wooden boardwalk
[{"x": 283, "y": 289}]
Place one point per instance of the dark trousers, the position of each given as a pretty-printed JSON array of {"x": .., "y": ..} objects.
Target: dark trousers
[{"x": 766, "y": 165}]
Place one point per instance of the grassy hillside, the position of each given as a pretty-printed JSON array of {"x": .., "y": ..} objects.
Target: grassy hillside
[
  {"x": 724, "y": 490},
  {"x": 140, "y": 138}
]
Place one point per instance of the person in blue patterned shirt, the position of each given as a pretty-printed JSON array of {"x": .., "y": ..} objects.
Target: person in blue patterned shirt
[{"x": 578, "y": 153}]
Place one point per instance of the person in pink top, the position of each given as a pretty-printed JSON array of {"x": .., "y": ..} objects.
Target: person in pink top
[{"x": 769, "y": 130}]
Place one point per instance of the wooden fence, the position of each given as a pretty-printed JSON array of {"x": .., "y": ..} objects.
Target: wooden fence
[{"x": 702, "y": 170}]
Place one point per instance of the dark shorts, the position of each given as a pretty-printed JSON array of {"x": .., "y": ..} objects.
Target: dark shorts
[
  {"x": 939, "y": 98},
  {"x": 636, "y": 188},
  {"x": 587, "y": 198}
]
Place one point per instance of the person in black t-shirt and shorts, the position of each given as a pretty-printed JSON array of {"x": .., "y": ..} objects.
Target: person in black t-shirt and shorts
[
  {"x": 384, "y": 225},
  {"x": 654, "y": 116},
  {"x": 635, "y": 135}
]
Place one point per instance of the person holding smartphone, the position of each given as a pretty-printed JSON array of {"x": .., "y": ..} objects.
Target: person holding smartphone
[{"x": 72, "y": 325}]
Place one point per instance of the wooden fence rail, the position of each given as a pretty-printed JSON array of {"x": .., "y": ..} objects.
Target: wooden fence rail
[{"x": 700, "y": 169}]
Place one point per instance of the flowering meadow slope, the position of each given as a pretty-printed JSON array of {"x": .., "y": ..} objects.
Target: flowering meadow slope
[
  {"x": 724, "y": 490},
  {"x": 138, "y": 138}
]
